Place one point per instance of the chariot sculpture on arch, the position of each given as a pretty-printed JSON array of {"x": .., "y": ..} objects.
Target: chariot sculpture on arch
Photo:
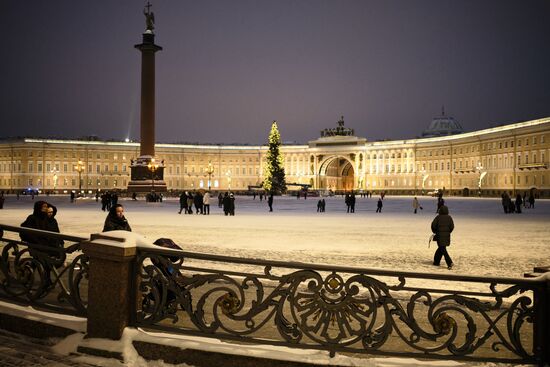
[{"x": 149, "y": 18}]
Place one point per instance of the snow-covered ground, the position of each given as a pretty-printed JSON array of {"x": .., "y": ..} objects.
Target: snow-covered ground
[{"x": 485, "y": 240}]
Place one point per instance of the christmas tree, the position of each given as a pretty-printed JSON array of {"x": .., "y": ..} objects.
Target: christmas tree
[{"x": 274, "y": 173}]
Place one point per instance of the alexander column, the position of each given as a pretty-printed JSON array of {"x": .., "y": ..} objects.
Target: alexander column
[{"x": 147, "y": 171}]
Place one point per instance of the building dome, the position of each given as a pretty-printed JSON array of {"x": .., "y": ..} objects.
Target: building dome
[{"x": 442, "y": 126}]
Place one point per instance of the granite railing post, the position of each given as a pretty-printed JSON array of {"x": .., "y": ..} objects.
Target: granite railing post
[
  {"x": 112, "y": 283},
  {"x": 541, "y": 328}
]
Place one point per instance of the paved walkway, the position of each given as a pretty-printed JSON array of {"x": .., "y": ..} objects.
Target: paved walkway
[{"x": 16, "y": 351}]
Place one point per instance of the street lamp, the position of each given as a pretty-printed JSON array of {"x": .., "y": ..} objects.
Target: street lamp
[
  {"x": 424, "y": 178},
  {"x": 79, "y": 168},
  {"x": 209, "y": 170},
  {"x": 481, "y": 172},
  {"x": 153, "y": 167},
  {"x": 228, "y": 174},
  {"x": 54, "y": 172}
]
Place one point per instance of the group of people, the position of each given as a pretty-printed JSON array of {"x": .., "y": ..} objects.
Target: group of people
[
  {"x": 43, "y": 217},
  {"x": 350, "y": 202},
  {"x": 108, "y": 200},
  {"x": 510, "y": 206},
  {"x": 201, "y": 202}
]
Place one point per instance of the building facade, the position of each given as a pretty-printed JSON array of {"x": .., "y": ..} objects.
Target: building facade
[{"x": 511, "y": 158}]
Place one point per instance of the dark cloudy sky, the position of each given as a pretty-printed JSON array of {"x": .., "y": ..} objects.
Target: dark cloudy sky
[{"x": 228, "y": 68}]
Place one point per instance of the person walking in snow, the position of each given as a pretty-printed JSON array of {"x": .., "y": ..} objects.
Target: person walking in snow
[
  {"x": 270, "y": 202},
  {"x": 531, "y": 201},
  {"x": 198, "y": 202},
  {"x": 226, "y": 204},
  {"x": 189, "y": 203},
  {"x": 352, "y": 202},
  {"x": 519, "y": 201},
  {"x": 206, "y": 203},
  {"x": 416, "y": 205},
  {"x": 183, "y": 203},
  {"x": 379, "y": 206},
  {"x": 231, "y": 204},
  {"x": 442, "y": 226}
]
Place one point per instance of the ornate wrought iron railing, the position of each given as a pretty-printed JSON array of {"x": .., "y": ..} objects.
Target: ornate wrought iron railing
[
  {"x": 51, "y": 273},
  {"x": 343, "y": 309}
]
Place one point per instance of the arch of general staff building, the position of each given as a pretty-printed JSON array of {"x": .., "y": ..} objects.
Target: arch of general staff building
[{"x": 512, "y": 158}]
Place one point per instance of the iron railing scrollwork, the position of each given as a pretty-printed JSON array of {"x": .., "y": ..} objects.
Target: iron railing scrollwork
[
  {"x": 49, "y": 276},
  {"x": 340, "y": 309}
]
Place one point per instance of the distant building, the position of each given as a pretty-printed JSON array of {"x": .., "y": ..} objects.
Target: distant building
[
  {"x": 511, "y": 158},
  {"x": 442, "y": 126}
]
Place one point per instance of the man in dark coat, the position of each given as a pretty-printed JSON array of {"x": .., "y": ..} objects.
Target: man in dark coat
[
  {"x": 226, "y": 204},
  {"x": 37, "y": 220},
  {"x": 379, "y": 206},
  {"x": 442, "y": 226},
  {"x": 116, "y": 221},
  {"x": 270, "y": 202},
  {"x": 198, "y": 202},
  {"x": 43, "y": 218}
]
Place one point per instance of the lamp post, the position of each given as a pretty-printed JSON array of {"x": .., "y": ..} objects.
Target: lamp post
[
  {"x": 209, "y": 170},
  {"x": 79, "y": 168},
  {"x": 228, "y": 174},
  {"x": 152, "y": 167},
  {"x": 481, "y": 174},
  {"x": 424, "y": 178},
  {"x": 54, "y": 172}
]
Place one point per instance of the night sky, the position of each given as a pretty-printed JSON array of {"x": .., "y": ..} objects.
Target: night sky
[{"x": 229, "y": 68}]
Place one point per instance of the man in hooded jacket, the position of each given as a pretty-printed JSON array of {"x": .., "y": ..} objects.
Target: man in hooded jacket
[{"x": 442, "y": 226}]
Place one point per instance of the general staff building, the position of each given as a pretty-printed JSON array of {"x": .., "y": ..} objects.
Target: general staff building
[{"x": 512, "y": 158}]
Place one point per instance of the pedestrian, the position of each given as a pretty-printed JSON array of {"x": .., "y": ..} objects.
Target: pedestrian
[
  {"x": 440, "y": 203},
  {"x": 116, "y": 221},
  {"x": 97, "y": 196},
  {"x": 2, "y": 199},
  {"x": 189, "y": 203},
  {"x": 519, "y": 201},
  {"x": 72, "y": 196},
  {"x": 206, "y": 203},
  {"x": 231, "y": 204},
  {"x": 379, "y": 206},
  {"x": 319, "y": 206},
  {"x": 183, "y": 202},
  {"x": 198, "y": 202},
  {"x": 352, "y": 202},
  {"x": 323, "y": 205},
  {"x": 220, "y": 200},
  {"x": 416, "y": 205},
  {"x": 134, "y": 196},
  {"x": 442, "y": 226},
  {"x": 261, "y": 195},
  {"x": 347, "y": 201},
  {"x": 270, "y": 202},
  {"x": 504, "y": 201},
  {"x": 226, "y": 204},
  {"x": 253, "y": 195},
  {"x": 531, "y": 200}
]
